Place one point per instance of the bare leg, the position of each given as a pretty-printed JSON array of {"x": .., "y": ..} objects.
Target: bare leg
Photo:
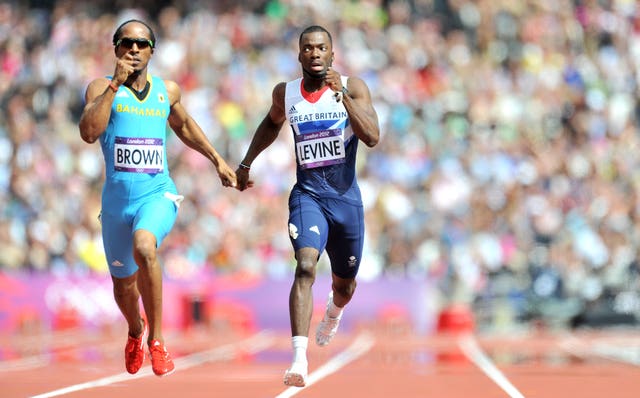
[
  {"x": 301, "y": 295},
  {"x": 125, "y": 292},
  {"x": 149, "y": 280},
  {"x": 300, "y": 311},
  {"x": 341, "y": 293},
  {"x": 343, "y": 290}
]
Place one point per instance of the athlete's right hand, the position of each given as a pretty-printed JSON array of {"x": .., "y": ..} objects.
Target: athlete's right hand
[
  {"x": 243, "y": 181},
  {"x": 124, "y": 68}
]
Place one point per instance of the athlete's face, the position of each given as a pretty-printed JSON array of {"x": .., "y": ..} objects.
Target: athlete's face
[
  {"x": 134, "y": 41},
  {"x": 316, "y": 54}
]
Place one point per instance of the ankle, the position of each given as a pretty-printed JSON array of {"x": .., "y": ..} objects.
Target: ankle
[
  {"x": 333, "y": 311},
  {"x": 300, "y": 344},
  {"x": 138, "y": 333}
]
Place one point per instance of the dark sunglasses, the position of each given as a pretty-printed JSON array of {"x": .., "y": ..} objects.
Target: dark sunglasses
[{"x": 127, "y": 42}]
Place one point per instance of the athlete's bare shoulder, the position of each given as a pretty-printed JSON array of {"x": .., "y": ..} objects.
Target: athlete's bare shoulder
[
  {"x": 173, "y": 90},
  {"x": 358, "y": 88},
  {"x": 279, "y": 91},
  {"x": 95, "y": 88},
  {"x": 277, "y": 98}
]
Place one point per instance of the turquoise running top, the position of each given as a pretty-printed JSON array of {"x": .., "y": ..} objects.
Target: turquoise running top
[{"x": 134, "y": 145}]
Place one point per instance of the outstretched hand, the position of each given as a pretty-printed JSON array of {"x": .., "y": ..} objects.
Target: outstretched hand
[
  {"x": 227, "y": 176},
  {"x": 243, "y": 181}
]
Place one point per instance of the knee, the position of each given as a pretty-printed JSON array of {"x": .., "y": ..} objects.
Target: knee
[
  {"x": 306, "y": 269},
  {"x": 144, "y": 249},
  {"x": 345, "y": 290}
]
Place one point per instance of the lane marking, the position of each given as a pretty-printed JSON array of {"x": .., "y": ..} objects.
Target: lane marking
[
  {"x": 251, "y": 345},
  {"x": 51, "y": 339},
  {"x": 26, "y": 363},
  {"x": 469, "y": 346},
  {"x": 611, "y": 350},
  {"x": 362, "y": 344},
  {"x": 41, "y": 360},
  {"x": 57, "y": 344}
]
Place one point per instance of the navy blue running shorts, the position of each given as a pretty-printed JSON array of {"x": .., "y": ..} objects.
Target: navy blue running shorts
[{"x": 331, "y": 224}]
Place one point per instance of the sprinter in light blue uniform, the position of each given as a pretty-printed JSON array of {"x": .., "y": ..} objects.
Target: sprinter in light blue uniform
[
  {"x": 138, "y": 192},
  {"x": 128, "y": 113},
  {"x": 328, "y": 114}
]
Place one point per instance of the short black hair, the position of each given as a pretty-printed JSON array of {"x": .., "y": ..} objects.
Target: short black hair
[
  {"x": 118, "y": 33},
  {"x": 313, "y": 29}
]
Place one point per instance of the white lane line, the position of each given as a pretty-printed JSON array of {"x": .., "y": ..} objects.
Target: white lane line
[
  {"x": 42, "y": 360},
  {"x": 251, "y": 345},
  {"x": 360, "y": 346},
  {"x": 606, "y": 349},
  {"x": 26, "y": 363},
  {"x": 68, "y": 343},
  {"x": 469, "y": 346}
]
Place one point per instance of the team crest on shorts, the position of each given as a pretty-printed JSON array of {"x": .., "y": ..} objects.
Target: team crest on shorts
[{"x": 293, "y": 231}]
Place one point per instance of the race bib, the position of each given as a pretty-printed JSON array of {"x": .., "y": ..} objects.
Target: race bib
[
  {"x": 139, "y": 155},
  {"x": 322, "y": 148}
]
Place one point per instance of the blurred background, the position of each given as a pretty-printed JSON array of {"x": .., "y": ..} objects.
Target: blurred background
[{"x": 506, "y": 180}]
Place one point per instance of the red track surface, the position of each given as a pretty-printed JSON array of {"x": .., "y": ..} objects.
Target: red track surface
[{"x": 376, "y": 361}]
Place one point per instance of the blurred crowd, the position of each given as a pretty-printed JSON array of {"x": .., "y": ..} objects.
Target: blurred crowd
[{"x": 508, "y": 165}]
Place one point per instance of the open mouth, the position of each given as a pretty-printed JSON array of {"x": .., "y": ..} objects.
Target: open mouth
[{"x": 316, "y": 67}]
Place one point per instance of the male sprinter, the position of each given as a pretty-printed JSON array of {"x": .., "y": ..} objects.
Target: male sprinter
[
  {"x": 128, "y": 113},
  {"x": 329, "y": 114}
]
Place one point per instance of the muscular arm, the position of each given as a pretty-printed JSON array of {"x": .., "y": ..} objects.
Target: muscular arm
[
  {"x": 269, "y": 128},
  {"x": 362, "y": 115},
  {"x": 186, "y": 127},
  {"x": 192, "y": 135},
  {"x": 95, "y": 116},
  {"x": 99, "y": 99},
  {"x": 266, "y": 133}
]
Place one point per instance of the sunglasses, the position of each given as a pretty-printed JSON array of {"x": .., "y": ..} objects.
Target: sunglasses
[{"x": 128, "y": 42}]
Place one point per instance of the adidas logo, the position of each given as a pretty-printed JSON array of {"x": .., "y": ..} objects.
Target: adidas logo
[
  {"x": 117, "y": 263},
  {"x": 293, "y": 110}
]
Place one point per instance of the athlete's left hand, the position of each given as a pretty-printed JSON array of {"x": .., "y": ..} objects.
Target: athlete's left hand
[{"x": 333, "y": 80}]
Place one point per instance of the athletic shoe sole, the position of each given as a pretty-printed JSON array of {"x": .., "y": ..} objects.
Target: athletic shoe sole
[
  {"x": 294, "y": 379},
  {"x": 296, "y": 375}
]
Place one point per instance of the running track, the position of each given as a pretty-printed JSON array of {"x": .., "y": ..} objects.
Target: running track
[{"x": 373, "y": 361}]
